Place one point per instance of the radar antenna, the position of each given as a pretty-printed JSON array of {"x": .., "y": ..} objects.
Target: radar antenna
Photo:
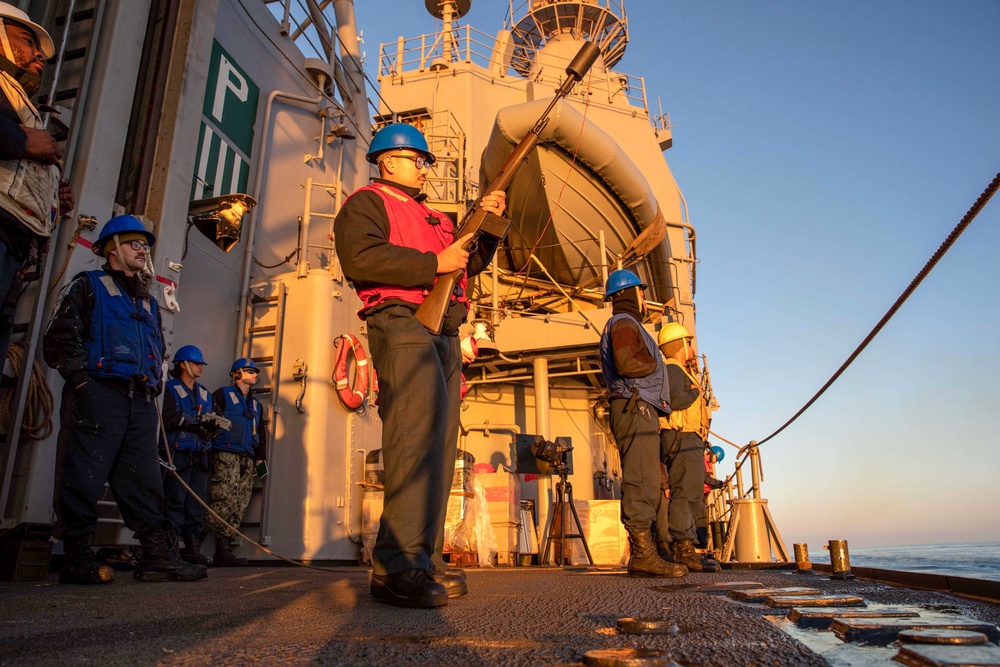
[{"x": 448, "y": 11}]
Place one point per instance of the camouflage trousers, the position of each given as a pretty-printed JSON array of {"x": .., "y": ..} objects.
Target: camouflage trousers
[{"x": 229, "y": 491}]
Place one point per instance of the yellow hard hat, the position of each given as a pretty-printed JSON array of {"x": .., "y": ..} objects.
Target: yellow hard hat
[{"x": 671, "y": 331}]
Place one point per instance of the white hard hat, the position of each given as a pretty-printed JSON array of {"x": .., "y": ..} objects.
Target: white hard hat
[{"x": 9, "y": 11}]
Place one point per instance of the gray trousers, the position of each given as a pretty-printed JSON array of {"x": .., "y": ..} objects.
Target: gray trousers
[
  {"x": 419, "y": 375},
  {"x": 639, "y": 446},
  {"x": 684, "y": 454}
]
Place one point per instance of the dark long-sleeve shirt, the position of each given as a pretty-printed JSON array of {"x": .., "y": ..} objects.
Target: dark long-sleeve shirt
[
  {"x": 682, "y": 394},
  {"x": 12, "y": 135},
  {"x": 361, "y": 236},
  {"x": 361, "y": 233}
]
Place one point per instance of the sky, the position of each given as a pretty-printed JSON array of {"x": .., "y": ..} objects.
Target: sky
[{"x": 825, "y": 151}]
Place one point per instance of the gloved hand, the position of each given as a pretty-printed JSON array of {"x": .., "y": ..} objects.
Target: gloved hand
[
  {"x": 215, "y": 422},
  {"x": 203, "y": 433}
]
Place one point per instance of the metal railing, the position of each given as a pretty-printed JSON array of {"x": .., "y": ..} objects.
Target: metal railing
[
  {"x": 603, "y": 22},
  {"x": 435, "y": 51}
]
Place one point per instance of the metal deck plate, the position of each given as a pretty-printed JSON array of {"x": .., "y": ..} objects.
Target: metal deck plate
[
  {"x": 649, "y": 626},
  {"x": 753, "y": 594},
  {"x": 884, "y": 631},
  {"x": 627, "y": 657},
  {"x": 816, "y": 601},
  {"x": 938, "y": 636},
  {"x": 926, "y": 655},
  {"x": 820, "y": 617}
]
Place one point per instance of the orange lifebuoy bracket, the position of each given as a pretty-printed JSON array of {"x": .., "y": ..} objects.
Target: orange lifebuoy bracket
[{"x": 352, "y": 393}]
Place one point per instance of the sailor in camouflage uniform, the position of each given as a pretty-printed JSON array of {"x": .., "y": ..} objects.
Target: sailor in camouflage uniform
[{"x": 235, "y": 455}]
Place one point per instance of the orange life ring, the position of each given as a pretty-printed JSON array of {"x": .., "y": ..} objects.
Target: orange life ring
[{"x": 352, "y": 393}]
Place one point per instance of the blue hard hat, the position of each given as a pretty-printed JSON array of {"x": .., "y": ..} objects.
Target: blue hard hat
[
  {"x": 719, "y": 452},
  {"x": 120, "y": 224},
  {"x": 395, "y": 136},
  {"x": 189, "y": 353},
  {"x": 242, "y": 362},
  {"x": 621, "y": 280}
]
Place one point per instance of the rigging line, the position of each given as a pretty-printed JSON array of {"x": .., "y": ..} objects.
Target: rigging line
[
  {"x": 935, "y": 258},
  {"x": 728, "y": 442},
  {"x": 361, "y": 69},
  {"x": 168, "y": 465},
  {"x": 295, "y": 67},
  {"x": 287, "y": 258}
]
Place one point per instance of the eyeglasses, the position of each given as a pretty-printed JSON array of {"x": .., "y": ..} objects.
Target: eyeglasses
[
  {"x": 250, "y": 370},
  {"x": 138, "y": 245},
  {"x": 419, "y": 161}
]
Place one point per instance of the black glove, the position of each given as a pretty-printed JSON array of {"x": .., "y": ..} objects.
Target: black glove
[
  {"x": 713, "y": 483},
  {"x": 202, "y": 433}
]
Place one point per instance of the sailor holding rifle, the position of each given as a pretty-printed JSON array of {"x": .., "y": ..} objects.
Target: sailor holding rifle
[{"x": 392, "y": 246}]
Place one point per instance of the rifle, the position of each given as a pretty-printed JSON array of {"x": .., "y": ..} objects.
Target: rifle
[{"x": 479, "y": 222}]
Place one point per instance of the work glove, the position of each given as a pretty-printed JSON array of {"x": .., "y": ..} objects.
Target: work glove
[{"x": 215, "y": 422}]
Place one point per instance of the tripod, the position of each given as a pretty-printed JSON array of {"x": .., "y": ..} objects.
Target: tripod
[{"x": 565, "y": 492}]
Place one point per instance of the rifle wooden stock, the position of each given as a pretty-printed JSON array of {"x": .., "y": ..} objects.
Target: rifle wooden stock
[
  {"x": 479, "y": 222},
  {"x": 432, "y": 311}
]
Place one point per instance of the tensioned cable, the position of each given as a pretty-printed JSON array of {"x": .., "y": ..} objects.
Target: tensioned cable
[
  {"x": 359, "y": 66},
  {"x": 267, "y": 36},
  {"x": 935, "y": 258},
  {"x": 169, "y": 465}
]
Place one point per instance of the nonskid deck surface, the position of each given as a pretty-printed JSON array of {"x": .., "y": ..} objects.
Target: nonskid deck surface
[{"x": 519, "y": 616}]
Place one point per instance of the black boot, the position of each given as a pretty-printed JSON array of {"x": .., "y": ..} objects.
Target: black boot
[
  {"x": 192, "y": 550},
  {"x": 224, "y": 556},
  {"x": 410, "y": 588},
  {"x": 450, "y": 579},
  {"x": 701, "y": 537},
  {"x": 684, "y": 553},
  {"x": 81, "y": 565},
  {"x": 161, "y": 561},
  {"x": 644, "y": 562},
  {"x": 663, "y": 550}
]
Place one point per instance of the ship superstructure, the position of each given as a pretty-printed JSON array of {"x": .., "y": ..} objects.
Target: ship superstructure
[
  {"x": 237, "y": 128},
  {"x": 596, "y": 194}
]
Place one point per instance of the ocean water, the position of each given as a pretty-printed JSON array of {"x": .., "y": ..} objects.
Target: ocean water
[{"x": 977, "y": 561}]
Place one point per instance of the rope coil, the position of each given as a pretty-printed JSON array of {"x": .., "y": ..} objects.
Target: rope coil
[{"x": 40, "y": 406}]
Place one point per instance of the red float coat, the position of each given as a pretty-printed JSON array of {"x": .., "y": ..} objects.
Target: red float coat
[{"x": 412, "y": 224}]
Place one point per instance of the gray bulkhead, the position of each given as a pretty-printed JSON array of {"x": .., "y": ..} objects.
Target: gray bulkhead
[{"x": 232, "y": 71}]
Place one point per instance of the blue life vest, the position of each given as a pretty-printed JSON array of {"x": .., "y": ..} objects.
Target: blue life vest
[
  {"x": 125, "y": 340},
  {"x": 192, "y": 405},
  {"x": 245, "y": 413},
  {"x": 652, "y": 388}
]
